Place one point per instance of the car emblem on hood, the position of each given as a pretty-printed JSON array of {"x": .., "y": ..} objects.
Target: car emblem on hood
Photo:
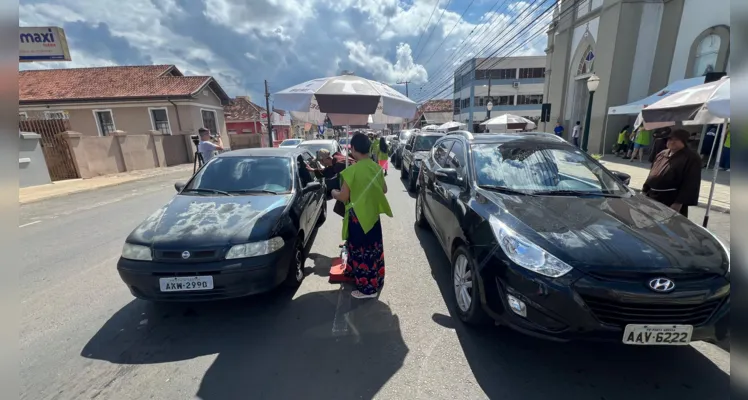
[
  {"x": 662, "y": 285},
  {"x": 185, "y": 255}
]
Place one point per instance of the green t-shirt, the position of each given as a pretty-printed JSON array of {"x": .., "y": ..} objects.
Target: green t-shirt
[
  {"x": 365, "y": 179},
  {"x": 643, "y": 138}
]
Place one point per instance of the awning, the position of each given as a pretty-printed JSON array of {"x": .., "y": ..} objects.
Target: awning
[{"x": 635, "y": 107}]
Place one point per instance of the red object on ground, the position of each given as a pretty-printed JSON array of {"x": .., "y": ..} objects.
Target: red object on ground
[{"x": 337, "y": 271}]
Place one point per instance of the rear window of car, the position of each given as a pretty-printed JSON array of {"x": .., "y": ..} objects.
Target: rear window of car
[{"x": 242, "y": 174}]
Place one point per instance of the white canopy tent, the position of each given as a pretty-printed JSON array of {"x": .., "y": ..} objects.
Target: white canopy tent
[
  {"x": 452, "y": 126},
  {"x": 430, "y": 128}
]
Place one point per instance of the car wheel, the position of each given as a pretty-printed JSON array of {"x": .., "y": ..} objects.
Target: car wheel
[
  {"x": 467, "y": 289},
  {"x": 420, "y": 217},
  {"x": 412, "y": 182},
  {"x": 296, "y": 265}
]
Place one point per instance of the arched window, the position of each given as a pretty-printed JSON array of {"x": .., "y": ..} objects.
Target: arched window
[
  {"x": 709, "y": 52},
  {"x": 705, "y": 59},
  {"x": 587, "y": 62}
]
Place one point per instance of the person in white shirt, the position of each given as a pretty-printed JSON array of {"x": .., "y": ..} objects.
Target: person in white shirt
[
  {"x": 207, "y": 148},
  {"x": 575, "y": 133}
]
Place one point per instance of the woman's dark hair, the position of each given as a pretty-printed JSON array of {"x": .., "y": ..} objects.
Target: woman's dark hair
[
  {"x": 382, "y": 145},
  {"x": 360, "y": 143},
  {"x": 625, "y": 128}
]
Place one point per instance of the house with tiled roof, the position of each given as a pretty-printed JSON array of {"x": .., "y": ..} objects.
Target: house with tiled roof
[
  {"x": 433, "y": 112},
  {"x": 245, "y": 117},
  {"x": 135, "y": 99}
]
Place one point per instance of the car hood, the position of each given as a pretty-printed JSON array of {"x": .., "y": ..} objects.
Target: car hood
[
  {"x": 205, "y": 221},
  {"x": 631, "y": 234}
]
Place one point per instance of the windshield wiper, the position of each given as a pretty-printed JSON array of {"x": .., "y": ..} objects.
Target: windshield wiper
[
  {"x": 266, "y": 191},
  {"x": 506, "y": 190},
  {"x": 203, "y": 190},
  {"x": 573, "y": 193}
]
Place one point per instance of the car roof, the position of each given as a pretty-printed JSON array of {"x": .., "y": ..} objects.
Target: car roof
[
  {"x": 265, "y": 152},
  {"x": 320, "y": 141},
  {"x": 492, "y": 138},
  {"x": 429, "y": 133}
]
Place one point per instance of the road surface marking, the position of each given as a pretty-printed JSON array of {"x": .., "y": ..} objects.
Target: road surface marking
[{"x": 30, "y": 223}]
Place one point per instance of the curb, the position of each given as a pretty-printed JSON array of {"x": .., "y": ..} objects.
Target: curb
[
  {"x": 89, "y": 189},
  {"x": 701, "y": 204}
]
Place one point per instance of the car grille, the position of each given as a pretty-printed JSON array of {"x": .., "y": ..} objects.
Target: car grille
[
  {"x": 620, "y": 314},
  {"x": 195, "y": 256}
]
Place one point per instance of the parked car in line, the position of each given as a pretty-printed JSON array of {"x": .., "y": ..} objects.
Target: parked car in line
[
  {"x": 415, "y": 150},
  {"x": 238, "y": 227},
  {"x": 544, "y": 239},
  {"x": 397, "y": 152},
  {"x": 315, "y": 145},
  {"x": 291, "y": 143}
]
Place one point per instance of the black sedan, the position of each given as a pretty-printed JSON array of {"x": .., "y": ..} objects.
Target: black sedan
[
  {"x": 416, "y": 149},
  {"x": 239, "y": 227},
  {"x": 543, "y": 239}
]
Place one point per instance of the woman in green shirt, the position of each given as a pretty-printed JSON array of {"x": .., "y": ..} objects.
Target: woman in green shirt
[{"x": 363, "y": 192}]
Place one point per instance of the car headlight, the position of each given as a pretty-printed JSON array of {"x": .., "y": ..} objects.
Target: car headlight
[
  {"x": 255, "y": 249},
  {"x": 136, "y": 252},
  {"x": 527, "y": 254}
]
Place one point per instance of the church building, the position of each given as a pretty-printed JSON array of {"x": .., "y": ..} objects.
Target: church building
[{"x": 636, "y": 48}]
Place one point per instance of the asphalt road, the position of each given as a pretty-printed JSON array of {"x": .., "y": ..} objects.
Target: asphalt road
[{"x": 83, "y": 336}]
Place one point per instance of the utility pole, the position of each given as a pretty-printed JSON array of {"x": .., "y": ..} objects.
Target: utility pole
[
  {"x": 406, "y": 86},
  {"x": 267, "y": 108}
]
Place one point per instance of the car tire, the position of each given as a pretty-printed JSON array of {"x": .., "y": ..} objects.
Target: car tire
[
  {"x": 412, "y": 182},
  {"x": 296, "y": 265},
  {"x": 467, "y": 289},
  {"x": 421, "y": 221}
]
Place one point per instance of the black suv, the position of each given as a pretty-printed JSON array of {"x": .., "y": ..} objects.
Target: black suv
[
  {"x": 544, "y": 239},
  {"x": 416, "y": 149}
]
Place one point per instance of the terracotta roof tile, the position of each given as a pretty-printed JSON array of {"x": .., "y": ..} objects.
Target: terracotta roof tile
[
  {"x": 444, "y": 105},
  {"x": 242, "y": 109},
  {"x": 106, "y": 83}
]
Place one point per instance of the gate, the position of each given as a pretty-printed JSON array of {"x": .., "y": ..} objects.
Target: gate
[{"x": 57, "y": 153}]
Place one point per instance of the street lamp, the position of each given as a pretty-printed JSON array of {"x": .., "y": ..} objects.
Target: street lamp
[
  {"x": 592, "y": 84},
  {"x": 489, "y": 106}
]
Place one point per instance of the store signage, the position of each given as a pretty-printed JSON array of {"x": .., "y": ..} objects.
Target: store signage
[{"x": 42, "y": 44}]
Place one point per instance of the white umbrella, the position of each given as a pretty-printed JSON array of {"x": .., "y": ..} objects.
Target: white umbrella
[
  {"x": 509, "y": 122},
  {"x": 689, "y": 106},
  {"x": 430, "y": 127},
  {"x": 452, "y": 125},
  {"x": 346, "y": 100}
]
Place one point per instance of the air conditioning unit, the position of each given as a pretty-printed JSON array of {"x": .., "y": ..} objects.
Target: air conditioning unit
[{"x": 515, "y": 85}]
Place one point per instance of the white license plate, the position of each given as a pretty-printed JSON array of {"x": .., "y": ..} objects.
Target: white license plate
[
  {"x": 186, "y": 283},
  {"x": 658, "y": 335}
]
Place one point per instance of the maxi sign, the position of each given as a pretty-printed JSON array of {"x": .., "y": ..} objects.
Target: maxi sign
[{"x": 42, "y": 44}]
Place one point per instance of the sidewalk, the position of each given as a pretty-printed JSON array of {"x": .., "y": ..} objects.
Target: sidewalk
[
  {"x": 64, "y": 188},
  {"x": 640, "y": 171}
]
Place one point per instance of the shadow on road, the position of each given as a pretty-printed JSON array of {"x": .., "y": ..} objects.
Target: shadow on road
[
  {"x": 269, "y": 346},
  {"x": 508, "y": 365}
]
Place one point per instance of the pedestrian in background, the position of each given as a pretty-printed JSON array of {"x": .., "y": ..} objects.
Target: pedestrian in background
[
  {"x": 641, "y": 139},
  {"x": 383, "y": 154},
  {"x": 622, "y": 141},
  {"x": 675, "y": 177},
  {"x": 559, "y": 130},
  {"x": 575, "y": 133},
  {"x": 725, "y": 161},
  {"x": 660, "y": 143},
  {"x": 206, "y": 147},
  {"x": 363, "y": 192}
]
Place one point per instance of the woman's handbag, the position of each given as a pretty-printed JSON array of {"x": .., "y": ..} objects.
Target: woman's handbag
[{"x": 339, "y": 208}]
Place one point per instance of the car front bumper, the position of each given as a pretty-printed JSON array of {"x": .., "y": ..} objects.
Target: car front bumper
[
  {"x": 579, "y": 306},
  {"x": 231, "y": 278}
]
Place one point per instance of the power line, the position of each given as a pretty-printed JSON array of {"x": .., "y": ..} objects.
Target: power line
[
  {"x": 432, "y": 31},
  {"x": 492, "y": 42},
  {"x": 450, "y": 33},
  {"x": 427, "y": 25},
  {"x": 406, "y": 86}
]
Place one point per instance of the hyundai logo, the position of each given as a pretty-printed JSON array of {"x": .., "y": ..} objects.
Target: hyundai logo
[
  {"x": 185, "y": 255},
  {"x": 662, "y": 285}
]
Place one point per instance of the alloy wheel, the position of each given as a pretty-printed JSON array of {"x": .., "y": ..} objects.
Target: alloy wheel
[
  {"x": 419, "y": 208},
  {"x": 463, "y": 283}
]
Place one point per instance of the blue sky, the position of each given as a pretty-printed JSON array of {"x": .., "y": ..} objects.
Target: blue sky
[{"x": 243, "y": 42}]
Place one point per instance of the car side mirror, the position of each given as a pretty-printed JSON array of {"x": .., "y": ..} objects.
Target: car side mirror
[
  {"x": 447, "y": 175},
  {"x": 623, "y": 177},
  {"x": 409, "y": 147},
  {"x": 179, "y": 186},
  {"x": 312, "y": 187}
]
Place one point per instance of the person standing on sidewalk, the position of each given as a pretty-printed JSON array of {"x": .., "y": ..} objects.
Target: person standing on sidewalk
[
  {"x": 559, "y": 130},
  {"x": 675, "y": 177},
  {"x": 206, "y": 147},
  {"x": 575, "y": 133}
]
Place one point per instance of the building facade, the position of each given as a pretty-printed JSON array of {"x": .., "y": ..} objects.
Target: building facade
[
  {"x": 514, "y": 85},
  {"x": 636, "y": 48}
]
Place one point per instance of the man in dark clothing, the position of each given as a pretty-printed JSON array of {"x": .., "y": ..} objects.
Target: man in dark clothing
[
  {"x": 660, "y": 143},
  {"x": 675, "y": 177}
]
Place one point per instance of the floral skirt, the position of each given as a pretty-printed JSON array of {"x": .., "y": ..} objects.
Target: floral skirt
[
  {"x": 383, "y": 164},
  {"x": 365, "y": 256}
]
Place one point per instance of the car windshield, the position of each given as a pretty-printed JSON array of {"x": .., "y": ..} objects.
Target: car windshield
[
  {"x": 531, "y": 167},
  {"x": 314, "y": 147},
  {"x": 242, "y": 175},
  {"x": 425, "y": 143},
  {"x": 290, "y": 142}
]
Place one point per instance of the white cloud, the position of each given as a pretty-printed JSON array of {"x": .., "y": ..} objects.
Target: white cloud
[{"x": 404, "y": 69}]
